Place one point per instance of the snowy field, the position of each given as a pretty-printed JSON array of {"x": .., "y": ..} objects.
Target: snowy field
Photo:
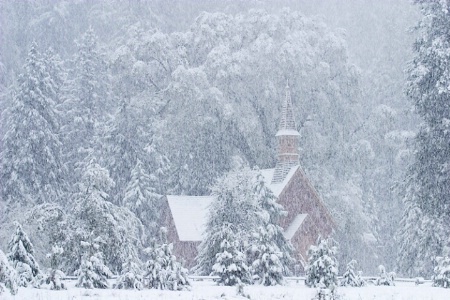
[{"x": 204, "y": 290}]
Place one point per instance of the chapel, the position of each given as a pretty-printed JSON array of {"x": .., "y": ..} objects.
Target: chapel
[{"x": 307, "y": 219}]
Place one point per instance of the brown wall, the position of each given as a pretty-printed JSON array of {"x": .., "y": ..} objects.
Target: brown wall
[{"x": 299, "y": 197}]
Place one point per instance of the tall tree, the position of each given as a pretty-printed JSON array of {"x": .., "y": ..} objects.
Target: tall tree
[
  {"x": 235, "y": 206},
  {"x": 270, "y": 235},
  {"x": 95, "y": 217},
  {"x": 428, "y": 87},
  {"x": 31, "y": 168},
  {"x": 85, "y": 104}
]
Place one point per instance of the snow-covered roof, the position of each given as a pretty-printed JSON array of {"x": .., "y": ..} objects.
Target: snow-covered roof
[
  {"x": 294, "y": 226},
  {"x": 190, "y": 214},
  {"x": 277, "y": 188}
]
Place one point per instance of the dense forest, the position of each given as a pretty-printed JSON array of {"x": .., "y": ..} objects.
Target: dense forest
[{"x": 106, "y": 106}]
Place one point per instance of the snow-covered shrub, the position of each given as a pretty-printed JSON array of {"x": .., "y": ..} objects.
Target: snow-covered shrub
[
  {"x": 8, "y": 276},
  {"x": 351, "y": 278},
  {"x": 92, "y": 273},
  {"x": 267, "y": 265},
  {"x": 326, "y": 294},
  {"x": 385, "y": 278},
  {"x": 441, "y": 277},
  {"x": 177, "y": 276},
  {"x": 322, "y": 267},
  {"x": 131, "y": 277},
  {"x": 53, "y": 277},
  {"x": 230, "y": 263},
  {"x": 163, "y": 271},
  {"x": 20, "y": 255}
]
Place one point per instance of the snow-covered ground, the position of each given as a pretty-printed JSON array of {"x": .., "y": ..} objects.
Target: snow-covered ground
[{"x": 204, "y": 290}]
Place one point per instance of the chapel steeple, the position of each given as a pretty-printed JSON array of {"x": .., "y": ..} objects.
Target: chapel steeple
[{"x": 287, "y": 140}]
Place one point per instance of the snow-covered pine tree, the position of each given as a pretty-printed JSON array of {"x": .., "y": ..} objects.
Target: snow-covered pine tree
[
  {"x": 141, "y": 197},
  {"x": 271, "y": 213},
  {"x": 385, "y": 278},
  {"x": 428, "y": 88},
  {"x": 53, "y": 277},
  {"x": 162, "y": 270},
  {"x": 322, "y": 267},
  {"x": 121, "y": 148},
  {"x": 230, "y": 264},
  {"x": 86, "y": 99},
  {"x": 131, "y": 276},
  {"x": 31, "y": 168},
  {"x": 441, "y": 276},
  {"x": 235, "y": 205},
  {"x": 352, "y": 278},
  {"x": 93, "y": 273},
  {"x": 20, "y": 255},
  {"x": 8, "y": 276},
  {"x": 268, "y": 264},
  {"x": 94, "y": 216}
]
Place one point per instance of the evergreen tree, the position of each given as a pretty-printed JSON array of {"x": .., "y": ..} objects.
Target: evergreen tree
[
  {"x": 351, "y": 278},
  {"x": 93, "y": 273},
  {"x": 85, "y": 103},
  {"x": 230, "y": 264},
  {"x": 428, "y": 88},
  {"x": 141, "y": 197},
  {"x": 31, "y": 168},
  {"x": 20, "y": 254},
  {"x": 121, "y": 148},
  {"x": 441, "y": 276},
  {"x": 8, "y": 276},
  {"x": 235, "y": 205},
  {"x": 322, "y": 267},
  {"x": 271, "y": 213},
  {"x": 131, "y": 277},
  {"x": 94, "y": 216}
]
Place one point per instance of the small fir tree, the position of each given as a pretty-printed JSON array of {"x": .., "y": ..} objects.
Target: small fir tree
[
  {"x": 268, "y": 264},
  {"x": 20, "y": 254},
  {"x": 322, "y": 267},
  {"x": 230, "y": 263},
  {"x": 131, "y": 277},
  {"x": 163, "y": 271},
  {"x": 441, "y": 276},
  {"x": 8, "y": 276},
  {"x": 93, "y": 273},
  {"x": 385, "y": 278},
  {"x": 350, "y": 277}
]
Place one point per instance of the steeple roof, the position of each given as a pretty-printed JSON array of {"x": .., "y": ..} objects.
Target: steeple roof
[{"x": 287, "y": 122}]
